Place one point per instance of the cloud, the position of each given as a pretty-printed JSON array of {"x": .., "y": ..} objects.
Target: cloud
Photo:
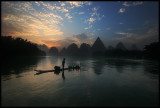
[
  {"x": 65, "y": 42},
  {"x": 79, "y": 3},
  {"x": 108, "y": 28},
  {"x": 125, "y": 35},
  {"x": 81, "y": 13},
  {"x": 137, "y": 3},
  {"x": 21, "y": 19},
  {"x": 88, "y": 3},
  {"x": 121, "y": 10},
  {"x": 151, "y": 35},
  {"x": 126, "y": 4},
  {"x": 68, "y": 16},
  {"x": 47, "y": 5},
  {"x": 64, "y": 10},
  {"x": 83, "y": 38},
  {"x": 130, "y": 29},
  {"x": 76, "y": 3},
  {"x": 86, "y": 28},
  {"x": 63, "y": 4},
  {"x": 121, "y": 23},
  {"x": 38, "y": 4},
  {"x": 95, "y": 8},
  {"x": 59, "y": 43},
  {"x": 91, "y": 20},
  {"x": 54, "y": 7},
  {"x": 95, "y": 16},
  {"x": 132, "y": 4}
]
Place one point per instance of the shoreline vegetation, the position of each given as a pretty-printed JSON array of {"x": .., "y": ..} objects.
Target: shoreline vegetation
[
  {"x": 12, "y": 47},
  {"x": 19, "y": 47}
]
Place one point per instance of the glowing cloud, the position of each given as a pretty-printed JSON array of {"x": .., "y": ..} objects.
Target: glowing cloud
[
  {"x": 68, "y": 16},
  {"x": 81, "y": 13},
  {"x": 86, "y": 28},
  {"x": 122, "y": 10},
  {"x": 132, "y": 4}
]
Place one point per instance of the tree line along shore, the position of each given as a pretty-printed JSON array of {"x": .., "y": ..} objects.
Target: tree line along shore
[{"x": 20, "y": 47}]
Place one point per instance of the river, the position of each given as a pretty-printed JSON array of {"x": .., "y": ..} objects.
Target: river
[{"x": 100, "y": 82}]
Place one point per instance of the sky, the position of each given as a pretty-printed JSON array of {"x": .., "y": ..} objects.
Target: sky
[{"x": 60, "y": 23}]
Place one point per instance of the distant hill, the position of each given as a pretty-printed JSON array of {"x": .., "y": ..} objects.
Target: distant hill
[
  {"x": 120, "y": 46},
  {"x": 110, "y": 48},
  {"x": 53, "y": 51},
  {"x": 98, "y": 46},
  {"x": 43, "y": 48},
  {"x": 63, "y": 51},
  {"x": 85, "y": 49},
  {"x": 72, "y": 49},
  {"x": 134, "y": 48}
]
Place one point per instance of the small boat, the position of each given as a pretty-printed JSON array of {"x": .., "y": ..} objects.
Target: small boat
[
  {"x": 57, "y": 70},
  {"x": 43, "y": 71}
]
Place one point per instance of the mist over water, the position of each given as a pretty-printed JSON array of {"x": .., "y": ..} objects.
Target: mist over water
[{"x": 100, "y": 82}]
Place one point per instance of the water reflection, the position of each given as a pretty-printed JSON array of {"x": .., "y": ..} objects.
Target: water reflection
[
  {"x": 98, "y": 65},
  {"x": 18, "y": 65},
  {"x": 120, "y": 64},
  {"x": 121, "y": 86},
  {"x": 22, "y": 64},
  {"x": 63, "y": 75},
  {"x": 151, "y": 68}
]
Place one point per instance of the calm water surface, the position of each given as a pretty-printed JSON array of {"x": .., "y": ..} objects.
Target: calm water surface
[{"x": 99, "y": 82}]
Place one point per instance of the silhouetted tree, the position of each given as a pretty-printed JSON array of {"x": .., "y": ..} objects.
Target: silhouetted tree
[
  {"x": 19, "y": 47},
  {"x": 152, "y": 50}
]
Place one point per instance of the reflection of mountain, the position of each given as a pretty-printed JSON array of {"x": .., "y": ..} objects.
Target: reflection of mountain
[
  {"x": 151, "y": 67},
  {"x": 98, "y": 65},
  {"x": 119, "y": 64}
]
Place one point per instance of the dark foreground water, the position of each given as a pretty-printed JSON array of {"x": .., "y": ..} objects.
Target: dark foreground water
[{"x": 100, "y": 82}]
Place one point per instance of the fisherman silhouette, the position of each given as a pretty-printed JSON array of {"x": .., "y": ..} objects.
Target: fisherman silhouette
[{"x": 63, "y": 62}]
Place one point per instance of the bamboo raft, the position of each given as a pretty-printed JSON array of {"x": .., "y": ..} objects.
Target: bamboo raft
[{"x": 56, "y": 71}]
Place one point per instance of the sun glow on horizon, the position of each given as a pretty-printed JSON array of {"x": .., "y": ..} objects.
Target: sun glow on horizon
[{"x": 61, "y": 23}]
